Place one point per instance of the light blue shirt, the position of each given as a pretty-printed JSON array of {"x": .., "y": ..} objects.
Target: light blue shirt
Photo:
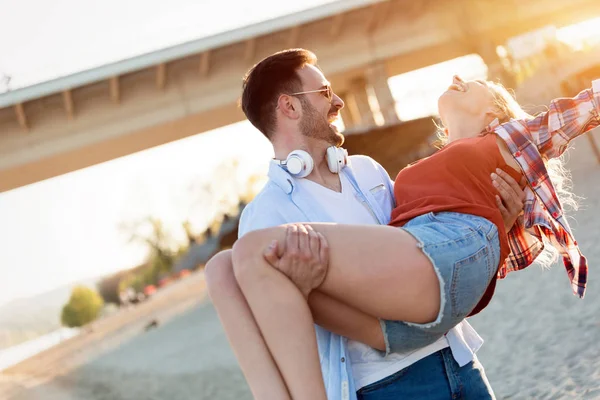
[{"x": 282, "y": 201}]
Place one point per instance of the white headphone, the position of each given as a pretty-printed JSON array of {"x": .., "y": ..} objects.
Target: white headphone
[{"x": 300, "y": 164}]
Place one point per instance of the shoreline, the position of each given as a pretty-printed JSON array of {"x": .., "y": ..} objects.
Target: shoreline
[{"x": 102, "y": 336}]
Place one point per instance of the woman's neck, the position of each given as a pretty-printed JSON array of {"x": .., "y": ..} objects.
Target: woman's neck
[{"x": 462, "y": 127}]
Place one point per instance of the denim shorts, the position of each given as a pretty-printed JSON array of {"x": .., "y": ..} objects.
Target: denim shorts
[{"x": 465, "y": 252}]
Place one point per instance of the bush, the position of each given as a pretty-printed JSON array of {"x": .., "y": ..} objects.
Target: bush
[{"x": 84, "y": 306}]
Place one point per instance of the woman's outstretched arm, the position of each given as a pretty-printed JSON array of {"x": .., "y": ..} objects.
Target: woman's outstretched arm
[{"x": 566, "y": 119}]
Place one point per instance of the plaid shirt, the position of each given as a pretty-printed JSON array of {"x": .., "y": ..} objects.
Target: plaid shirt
[{"x": 529, "y": 141}]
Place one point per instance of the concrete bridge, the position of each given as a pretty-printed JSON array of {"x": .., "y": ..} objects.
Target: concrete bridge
[{"x": 97, "y": 115}]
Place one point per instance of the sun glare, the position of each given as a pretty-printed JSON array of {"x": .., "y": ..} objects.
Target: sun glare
[{"x": 586, "y": 33}]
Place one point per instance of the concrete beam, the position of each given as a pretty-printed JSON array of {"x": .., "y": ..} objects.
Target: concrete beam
[
  {"x": 336, "y": 25},
  {"x": 21, "y": 117},
  {"x": 60, "y": 163},
  {"x": 406, "y": 44},
  {"x": 250, "y": 50},
  {"x": 378, "y": 13},
  {"x": 204, "y": 64},
  {"x": 161, "y": 76},
  {"x": 113, "y": 85},
  {"x": 69, "y": 104},
  {"x": 294, "y": 35}
]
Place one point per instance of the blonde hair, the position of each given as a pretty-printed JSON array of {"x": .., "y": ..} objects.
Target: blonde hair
[{"x": 508, "y": 108}]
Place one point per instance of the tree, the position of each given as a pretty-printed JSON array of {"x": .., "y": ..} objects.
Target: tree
[
  {"x": 83, "y": 307},
  {"x": 108, "y": 287}
]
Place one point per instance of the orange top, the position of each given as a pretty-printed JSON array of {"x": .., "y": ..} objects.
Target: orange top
[{"x": 457, "y": 179}]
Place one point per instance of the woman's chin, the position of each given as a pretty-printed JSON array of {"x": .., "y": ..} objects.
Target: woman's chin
[{"x": 446, "y": 103}]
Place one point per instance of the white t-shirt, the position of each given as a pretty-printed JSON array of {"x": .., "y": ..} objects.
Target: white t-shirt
[{"x": 368, "y": 365}]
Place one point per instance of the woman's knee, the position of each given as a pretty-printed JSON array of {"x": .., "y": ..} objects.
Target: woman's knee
[
  {"x": 218, "y": 273},
  {"x": 247, "y": 256}
]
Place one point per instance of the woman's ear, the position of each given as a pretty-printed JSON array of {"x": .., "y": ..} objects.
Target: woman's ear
[{"x": 494, "y": 112}]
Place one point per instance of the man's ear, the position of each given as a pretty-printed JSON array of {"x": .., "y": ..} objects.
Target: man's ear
[{"x": 288, "y": 106}]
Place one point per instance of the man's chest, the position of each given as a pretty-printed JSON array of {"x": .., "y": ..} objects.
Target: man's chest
[{"x": 345, "y": 207}]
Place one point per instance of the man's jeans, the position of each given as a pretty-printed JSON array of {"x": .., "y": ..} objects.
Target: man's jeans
[{"x": 435, "y": 377}]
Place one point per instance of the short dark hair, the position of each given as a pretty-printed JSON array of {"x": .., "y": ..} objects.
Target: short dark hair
[{"x": 269, "y": 79}]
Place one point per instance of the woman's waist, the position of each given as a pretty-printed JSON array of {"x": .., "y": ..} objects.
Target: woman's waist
[
  {"x": 483, "y": 206},
  {"x": 487, "y": 219},
  {"x": 460, "y": 219}
]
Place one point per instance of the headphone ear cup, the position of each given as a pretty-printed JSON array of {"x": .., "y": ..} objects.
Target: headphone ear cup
[
  {"x": 336, "y": 159},
  {"x": 299, "y": 164}
]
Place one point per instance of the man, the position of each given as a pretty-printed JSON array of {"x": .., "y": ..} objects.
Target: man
[{"x": 287, "y": 98}]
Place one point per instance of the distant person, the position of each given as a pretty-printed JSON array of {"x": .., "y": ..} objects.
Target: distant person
[{"x": 287, "y": 98}]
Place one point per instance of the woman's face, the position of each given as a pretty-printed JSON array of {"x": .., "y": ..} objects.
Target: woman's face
[{"x": 466, "y": 99}]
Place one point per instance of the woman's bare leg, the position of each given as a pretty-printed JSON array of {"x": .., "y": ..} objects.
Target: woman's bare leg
[
  {"x": 285, "y": 321},
  {"x": 244, "y": 336},
  {"x": 379, "y": 270},
  {"x": 256, "y": 362},
  {"x": 340, "y": 318}
]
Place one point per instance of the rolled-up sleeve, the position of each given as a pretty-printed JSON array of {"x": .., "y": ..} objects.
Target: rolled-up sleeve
[{"x": 566, "y": 119}]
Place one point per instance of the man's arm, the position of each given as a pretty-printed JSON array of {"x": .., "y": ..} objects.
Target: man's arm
[
  {"x": 304, "y": 255},
  {"x": 303, "y": 258}
]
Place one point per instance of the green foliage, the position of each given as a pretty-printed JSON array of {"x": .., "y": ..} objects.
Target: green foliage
[
  {"x": 83, "y": 307},
  {"x": 164, "y": 251}
]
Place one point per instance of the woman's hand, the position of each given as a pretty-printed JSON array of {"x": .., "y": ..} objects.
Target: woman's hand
[
  {"x": 304, "y": 259},
  {"x": 511, "y": 199}
]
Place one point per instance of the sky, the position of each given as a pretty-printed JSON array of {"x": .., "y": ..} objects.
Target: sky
[{"x": 68, "y": 228}]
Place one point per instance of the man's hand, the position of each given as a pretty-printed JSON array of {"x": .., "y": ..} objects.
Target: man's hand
[
  {"x": 304, "y": 259},
  {"x": 510, "y": 201}
]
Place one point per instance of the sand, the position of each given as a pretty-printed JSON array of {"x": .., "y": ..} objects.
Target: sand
[{"x": 541, "y": 341}]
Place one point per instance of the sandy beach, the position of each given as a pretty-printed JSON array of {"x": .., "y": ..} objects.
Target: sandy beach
[{"x": 541, "y": 342}]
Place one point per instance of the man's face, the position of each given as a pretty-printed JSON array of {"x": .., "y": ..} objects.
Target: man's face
[{"x": 319, "y": 109}]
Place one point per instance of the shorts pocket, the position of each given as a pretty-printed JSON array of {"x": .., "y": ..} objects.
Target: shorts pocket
[
  {"x": 387, "y": 381},
  {"x": 470, "y": 279}
]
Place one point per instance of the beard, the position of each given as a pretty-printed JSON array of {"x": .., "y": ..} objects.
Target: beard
[{"x": 316, "y": 126}]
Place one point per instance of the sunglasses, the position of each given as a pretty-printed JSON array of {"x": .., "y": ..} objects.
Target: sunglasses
[{"x": 327, "y": 93}]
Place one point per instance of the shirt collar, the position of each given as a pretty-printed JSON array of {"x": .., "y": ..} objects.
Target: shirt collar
[
  {"x": 281, "y": 177},
  {"x": 492, "y": 126}
]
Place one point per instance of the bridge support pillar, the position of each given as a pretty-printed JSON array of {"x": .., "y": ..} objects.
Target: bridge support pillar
[
  {"x": 345, "y": 113},
  {"x": 377, "y": 77},
  {"x": 496, "y": 70},
  {"x": 358, "y": 105}
]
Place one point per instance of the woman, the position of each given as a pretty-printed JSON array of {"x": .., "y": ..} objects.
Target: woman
[{"x": 438, "y": 261}]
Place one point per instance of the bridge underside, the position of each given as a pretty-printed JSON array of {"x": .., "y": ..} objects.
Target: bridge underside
[{"x": 123, "y": 113}]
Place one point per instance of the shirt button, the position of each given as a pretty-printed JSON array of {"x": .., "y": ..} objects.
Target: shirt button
[
  {"x": 343, "y": 359},
  {"x": 555, "y": 214},
  {"x": 518, "y": 154},
  {"x": 575, "y": 243},
  {"x": 535, "y": 184}
]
